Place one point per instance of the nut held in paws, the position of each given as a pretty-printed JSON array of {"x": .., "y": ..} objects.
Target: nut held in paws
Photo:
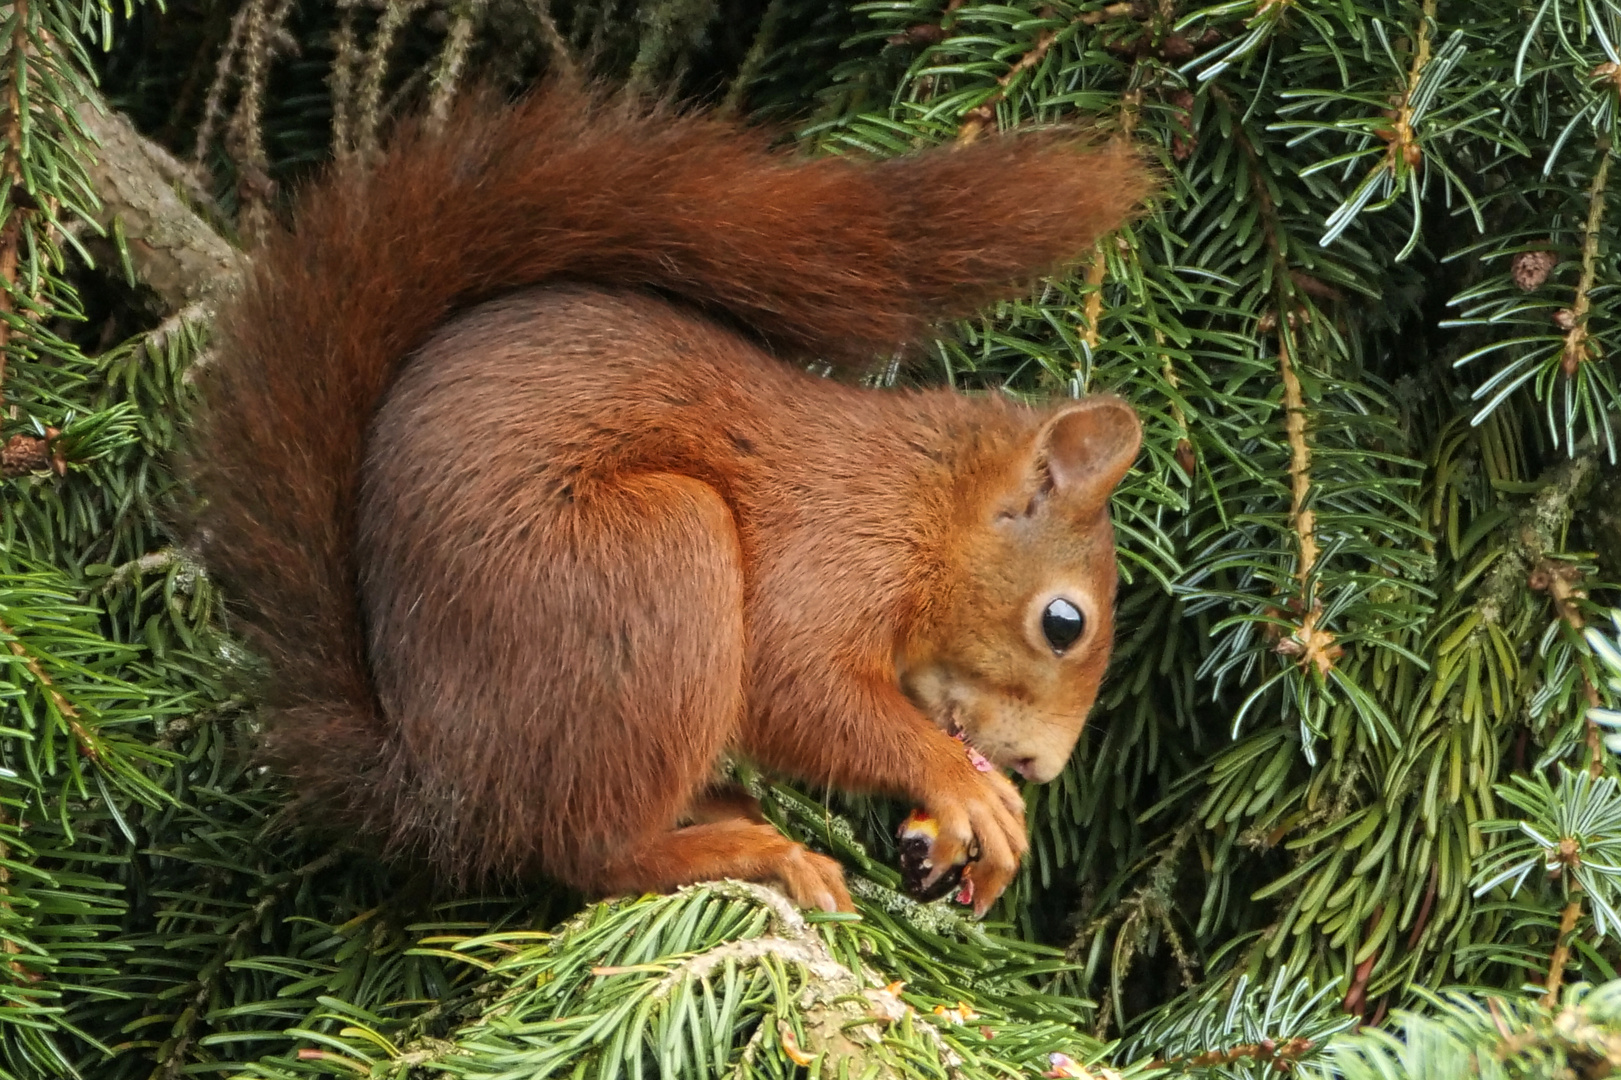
[{"x": 917, "y": 835}]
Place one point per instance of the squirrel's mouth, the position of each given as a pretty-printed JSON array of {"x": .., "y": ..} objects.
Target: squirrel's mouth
[
  {"x": 946, "y": 698},
  {"x": 977, "y": 759},
  {"x": 983, "y": 762}
]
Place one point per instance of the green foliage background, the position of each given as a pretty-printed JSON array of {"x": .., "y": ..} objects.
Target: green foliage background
[{"x": 1350, "y": 764}]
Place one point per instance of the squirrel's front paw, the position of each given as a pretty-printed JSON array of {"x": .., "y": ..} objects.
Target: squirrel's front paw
[{"x": 985, "y": 823}]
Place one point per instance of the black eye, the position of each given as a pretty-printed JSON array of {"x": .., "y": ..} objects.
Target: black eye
[{"x": 1063, "y": 624}]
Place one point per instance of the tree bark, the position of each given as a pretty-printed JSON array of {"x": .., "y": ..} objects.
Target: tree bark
[{"x": 176, "y": 252}]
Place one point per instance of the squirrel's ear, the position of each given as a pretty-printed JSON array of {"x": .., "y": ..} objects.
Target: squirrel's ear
[{"x": 1088, "y": 447}]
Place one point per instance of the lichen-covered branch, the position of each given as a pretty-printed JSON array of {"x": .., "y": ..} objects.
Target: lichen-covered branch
[
  {"x": 11, "y": 230},
  {"x": 175, "y": 251}
]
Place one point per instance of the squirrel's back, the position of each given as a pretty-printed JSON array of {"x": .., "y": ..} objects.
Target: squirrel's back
[{"x": 830, "y": 259}]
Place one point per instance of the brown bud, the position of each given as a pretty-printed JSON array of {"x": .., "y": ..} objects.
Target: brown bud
[
  {"x": 24, "y": 454},
  {"x": 1315, "y": 286},
  {"x": 1565, "y": 319},
  {"x": 1531, "y": 268},
  {"x": 1176, "y": 47},
  {"x": 1185, "y": 458},
  {"x": 1571, "y": 361},
  {"x": 921, "y": 34}
]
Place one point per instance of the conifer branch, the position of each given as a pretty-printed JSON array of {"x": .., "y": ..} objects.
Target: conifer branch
[
  {"x": 87, "y": 742},
  {"x": 11, "y": 232},
  {"x": 1281, "y": 1056},
  {"x": 1313, "y": 646},
  {"x": 765, "y": 38},
  {"x": 1186, "y": 458},
  {"x": 1301, "y": 517},
  {"x": 1561, "y": 581},
  {"x": 557, "y": 47},
  {"x": 1280, "y": 886},
  {"x": 214, "y": 99},
  {"x": 983, "y": 115},
  {"x": 1096, "y": 270},
  {"x": 1561, "y": 950},
  {"x": 176, "y": 1051},
  {"x": 840, "y": 1006},
  {"x": 1573, "y": 320},
  {"x": 9, "y": 946},
  {"x": 1403, "y": 150},
  {"x": 1542, "y": 523}
]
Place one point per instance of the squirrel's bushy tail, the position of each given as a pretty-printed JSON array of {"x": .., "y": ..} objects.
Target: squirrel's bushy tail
[{"x": 825, "y": 258}]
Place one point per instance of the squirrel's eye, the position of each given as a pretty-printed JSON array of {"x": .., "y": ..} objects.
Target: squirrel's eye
[{"x": 1062, "y": 624}]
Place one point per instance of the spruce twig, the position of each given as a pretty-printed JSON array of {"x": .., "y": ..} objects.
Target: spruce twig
[
  {"x": 11, "y": 232},
  {"x": 1577, "y": 349}
]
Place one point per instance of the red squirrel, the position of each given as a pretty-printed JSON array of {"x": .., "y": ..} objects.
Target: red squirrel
[{"x": 511, "y": 461}]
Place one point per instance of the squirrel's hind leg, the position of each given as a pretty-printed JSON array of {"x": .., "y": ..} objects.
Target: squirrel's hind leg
[
  {"x": 665, "y": 573},
  {"x": 731, "y": 848},
  {"x": 723, "y": 802}
]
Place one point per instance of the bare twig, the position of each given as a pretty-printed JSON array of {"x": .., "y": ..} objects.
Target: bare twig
[
  {"x": 369, "y": 105},
  {"x": 150, "y": 563},
  {"x": 557, "y": 45},
  {"x": 453, "y": 58},
  {"x": 214, "y": 101},
  {"x": 342, "y": 81},
  {"x": 764, "y": 38},
  {"x": 1561, "y": 951},
  {"x": 262, "y": 39}
]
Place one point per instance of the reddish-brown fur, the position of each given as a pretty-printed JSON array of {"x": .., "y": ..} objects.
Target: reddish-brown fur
[{"x": 523, "y": 575}]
